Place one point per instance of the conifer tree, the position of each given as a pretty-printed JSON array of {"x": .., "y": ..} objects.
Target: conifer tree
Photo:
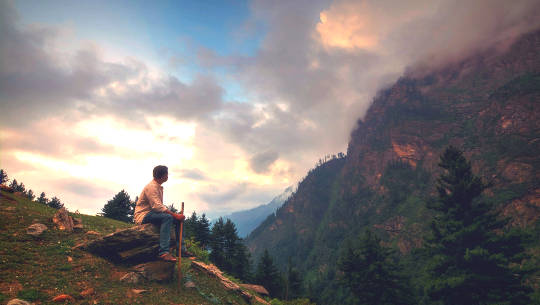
[
  {"x": 55, "y": 203},
  {"x": 268, "y": 275},
  {"x": 14, "y": 185},
  {"x": 119, "y": 208},
  {"x": 20, "y": 188},
  {"x": 474, "y": 259},
  {"x": 202, "y": 233},
  {"x": 189, "y": 226},
  {"x": 293, "y": 283},
  {"x": 3, "y": 176},
  {"x": 30, "y": 195},
  {"x": 217, "y": 243},
  {"x": 371, "y": 275},
  {"x": 42, "y": 199}
]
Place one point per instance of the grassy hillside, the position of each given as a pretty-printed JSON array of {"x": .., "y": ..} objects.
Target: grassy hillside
[{"x": 38, "y": 269}]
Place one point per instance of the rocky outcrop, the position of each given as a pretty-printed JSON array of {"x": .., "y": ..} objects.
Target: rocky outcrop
[
  {"x": 257, "y": 288},
  {"x": 135, "y": 245},
  {"x": 63, "y": 221},
  {"x": 227, "y": 283}
]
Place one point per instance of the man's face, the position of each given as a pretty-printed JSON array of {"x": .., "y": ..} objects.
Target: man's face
[{"x": 163, "y": 179}]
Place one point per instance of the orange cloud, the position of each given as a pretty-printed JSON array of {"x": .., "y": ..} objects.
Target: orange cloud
[{"x": 347, "y": 26}]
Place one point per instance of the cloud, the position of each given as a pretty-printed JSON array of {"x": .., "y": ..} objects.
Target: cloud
[
  {"x": 83, "y": 188},
  {"x": 52, "y": 137},
  {"x": 193, "y": 174},
  {"x": 261, "y": 162},
  {"x": 219, "y": 195},
  {"x": 40, "y": 76}
]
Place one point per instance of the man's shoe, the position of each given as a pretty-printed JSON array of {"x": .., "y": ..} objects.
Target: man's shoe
[{"x": 167, "y": 257}]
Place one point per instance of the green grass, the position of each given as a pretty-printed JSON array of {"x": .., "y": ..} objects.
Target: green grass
[{"x": 38, "y": 269}]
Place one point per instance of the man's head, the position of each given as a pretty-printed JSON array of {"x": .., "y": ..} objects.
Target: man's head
[{"x": 161, "y": 173}]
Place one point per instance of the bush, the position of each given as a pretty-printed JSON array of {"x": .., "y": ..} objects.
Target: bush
[{"x": 195, "y": 248}]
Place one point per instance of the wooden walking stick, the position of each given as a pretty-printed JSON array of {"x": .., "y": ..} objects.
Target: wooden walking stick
[{"x": 180, "y": 250}]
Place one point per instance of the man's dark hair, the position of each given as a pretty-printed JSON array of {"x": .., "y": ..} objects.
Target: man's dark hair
[{"x": 160, "y": 171}]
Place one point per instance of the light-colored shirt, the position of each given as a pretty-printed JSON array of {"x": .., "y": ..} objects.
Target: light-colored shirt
[{"x": 151, "y": 199}]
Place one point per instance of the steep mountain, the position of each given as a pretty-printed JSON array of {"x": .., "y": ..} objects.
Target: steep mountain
[
  {"x": 247, "y": 220},
  {"x": 486, "y": 105}
]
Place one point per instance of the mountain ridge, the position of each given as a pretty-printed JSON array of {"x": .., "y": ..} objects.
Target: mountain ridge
[{"x": 486, "y": 105}]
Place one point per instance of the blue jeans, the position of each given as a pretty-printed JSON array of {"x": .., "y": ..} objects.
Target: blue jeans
[{"x": 164, "y": 221}]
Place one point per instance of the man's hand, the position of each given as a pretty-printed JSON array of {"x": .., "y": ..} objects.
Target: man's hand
[{"x": 179, "y": 217}]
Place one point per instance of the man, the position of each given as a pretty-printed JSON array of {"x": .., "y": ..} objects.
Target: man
[{"x": 150, "y": 209}]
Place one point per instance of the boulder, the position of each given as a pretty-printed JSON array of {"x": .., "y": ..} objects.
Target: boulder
[
  {"x": 63, "y": 221},
  {"x": 135, "y": 245},
  {"x": 36, "y": 229},
  {"x": 158, "y": 271}
]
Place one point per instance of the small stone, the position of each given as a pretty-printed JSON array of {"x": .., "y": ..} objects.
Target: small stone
[
  {"x": 18, "y": 302},
  {"x": 36, "y": 229},
  {"x": 88, "y": 292},
  {"x": 189, "y": 284},
  {"x": 138, "y": 291},
  {"x": 63, "y": 298},
  {"x": 131, "y": 278}
]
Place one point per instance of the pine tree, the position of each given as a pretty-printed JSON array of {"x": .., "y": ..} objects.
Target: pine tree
[
  {"x": 190, "y": 225},
  {"x": 42, "y": 199},
  {"x": 202, "y": 233},
  {"x": 268, "y": 275},
  {"x": 470, "y": 248},
  {"x": 293, "y": 282},
  {"x": 217, "y": 243},
  {"x": 55, "y": 203},
  {"x": 370, "y": 273},
  {"x": 119, "y": 208},
  {"x": 20, "y": 188},
  {"x": 14, "y": 185},
  {"x": 30, "y": 195},
  {"x": 3, "y": 176}
]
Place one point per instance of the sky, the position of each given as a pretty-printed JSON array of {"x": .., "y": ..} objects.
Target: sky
[{"x": 238, "y": 98}]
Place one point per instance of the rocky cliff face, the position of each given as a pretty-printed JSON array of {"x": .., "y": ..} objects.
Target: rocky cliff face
[{"x": 487, "y": 105}]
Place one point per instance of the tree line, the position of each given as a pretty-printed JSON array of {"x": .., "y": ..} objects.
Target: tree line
[{"x": 17, "y": 187}]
